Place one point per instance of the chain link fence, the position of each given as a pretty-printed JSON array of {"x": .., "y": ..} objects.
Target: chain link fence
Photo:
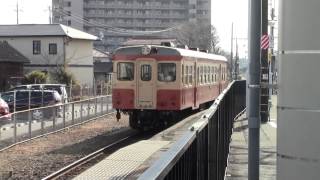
[{"x": 78, "y": 92}]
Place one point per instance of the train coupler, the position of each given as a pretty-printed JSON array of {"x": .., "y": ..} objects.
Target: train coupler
[{"x": 118, "y": 115}]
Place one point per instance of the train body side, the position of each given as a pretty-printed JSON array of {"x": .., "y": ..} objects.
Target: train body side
[{"x": 188, "y": 80}]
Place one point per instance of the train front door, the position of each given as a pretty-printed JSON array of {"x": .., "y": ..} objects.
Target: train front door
[{"x": 146, "y": 78}]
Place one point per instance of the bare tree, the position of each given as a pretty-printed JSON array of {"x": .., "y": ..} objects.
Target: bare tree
[
  {"x": 199, "y": 35},
  {"x": 59, "y": 73}
]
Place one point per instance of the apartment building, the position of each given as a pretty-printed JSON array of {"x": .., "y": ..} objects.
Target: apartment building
[{"x": 99, "y": 17}]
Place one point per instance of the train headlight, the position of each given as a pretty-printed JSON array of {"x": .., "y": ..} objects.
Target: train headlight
[{"x": 145, "y": 50}]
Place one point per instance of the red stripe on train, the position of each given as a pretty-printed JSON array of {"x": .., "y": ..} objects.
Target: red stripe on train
[{"x": 168, "y": 99}]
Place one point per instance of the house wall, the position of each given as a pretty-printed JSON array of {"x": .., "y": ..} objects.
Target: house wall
[
  {"x": 77, "y": 54},
  {"x": 25, "y": 46},
  {"x": 9, "y": 70},
  {"x": 80, "y": 59}
]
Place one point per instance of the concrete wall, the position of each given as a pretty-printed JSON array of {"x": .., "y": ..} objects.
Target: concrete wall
[{"x": 299, "y": 86}]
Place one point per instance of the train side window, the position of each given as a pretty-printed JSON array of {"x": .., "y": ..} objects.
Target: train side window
[
  {"x": 146, "y": 72},
  {"x": 205, "y": 74},
  {"x": 186, "y": 75},
  {"x": 215, "y": 73},
  {"x": 182, "y": 74},
  {"x": 198, "y": 75},
  {"x": 222, "y": 71},
  {"x": 208, "y": 75},
  {"x": 209, "y": 72},
  {"x": 166, "y": 72},
  {"x": 212, "y": 74},
  {"x": 125, "y": 71},
  {"x": 190, "y": 75},
  {"x": 201, "y": 75}
]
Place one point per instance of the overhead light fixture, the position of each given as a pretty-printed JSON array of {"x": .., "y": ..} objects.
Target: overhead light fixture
[{"x": 145, "y": 50}]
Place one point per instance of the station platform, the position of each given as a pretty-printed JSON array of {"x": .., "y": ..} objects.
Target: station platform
[
  {"x": 125, "y": 162},
  {"x": 238, "y": 157},
  {"x": 131, "y": 161}
]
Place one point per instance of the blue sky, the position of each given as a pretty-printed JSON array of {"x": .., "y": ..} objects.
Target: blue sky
[{"x": 224, "y": 12}]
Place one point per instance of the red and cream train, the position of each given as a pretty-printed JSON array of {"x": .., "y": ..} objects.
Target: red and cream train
[{"x": 154, "y": 84}]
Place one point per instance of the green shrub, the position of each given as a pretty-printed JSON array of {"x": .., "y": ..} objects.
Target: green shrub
[
  {"x": 33, "y": 77},
  {"x": 62, "y": 76}
]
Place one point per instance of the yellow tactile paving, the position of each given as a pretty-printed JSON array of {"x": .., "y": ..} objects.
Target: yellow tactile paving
[{"x": 124, "y": 161}]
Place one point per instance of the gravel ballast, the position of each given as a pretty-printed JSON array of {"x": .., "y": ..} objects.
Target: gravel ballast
[{"x": 40, "y": 157}]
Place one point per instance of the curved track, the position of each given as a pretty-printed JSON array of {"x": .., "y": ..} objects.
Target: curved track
[{"x": 86, "y": 159}]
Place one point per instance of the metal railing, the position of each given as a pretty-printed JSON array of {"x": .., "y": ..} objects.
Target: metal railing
[
  {"x": 202, "y": 152},
  {"x": 77, "y": 92},
  {"x": 24, "y": 125}
]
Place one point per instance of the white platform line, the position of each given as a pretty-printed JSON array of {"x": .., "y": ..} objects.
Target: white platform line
[{"x": 272, "y": 124}]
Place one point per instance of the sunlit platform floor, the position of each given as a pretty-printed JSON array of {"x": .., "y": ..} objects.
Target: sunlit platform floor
[{"x": 238, "y": 159}]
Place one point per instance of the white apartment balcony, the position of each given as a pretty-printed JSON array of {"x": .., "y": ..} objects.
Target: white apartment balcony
[
  {"x": 131, "y": 25},
  {"x": 132, "y": 6},
  {"x": 135, "y": 15}
]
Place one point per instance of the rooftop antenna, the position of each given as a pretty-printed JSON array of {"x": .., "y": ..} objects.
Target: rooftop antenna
[
  {"x": 50, "y": 14},
  {"x": 17, "y": 12}
]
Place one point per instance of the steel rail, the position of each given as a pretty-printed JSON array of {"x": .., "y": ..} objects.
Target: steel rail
[{"x": 83, "y": 160}]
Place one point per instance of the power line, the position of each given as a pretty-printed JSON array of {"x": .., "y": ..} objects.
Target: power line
[{"x": 113, "y": 29}]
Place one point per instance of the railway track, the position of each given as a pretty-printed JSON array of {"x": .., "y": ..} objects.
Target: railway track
[
  {"x": 79, "y": 166},
  {"x": 85, "y": 160},
  {"x": 74, "y": 169}
]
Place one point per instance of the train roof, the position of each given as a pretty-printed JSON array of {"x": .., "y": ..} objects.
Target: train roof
[{"x": 164, "y": 50}]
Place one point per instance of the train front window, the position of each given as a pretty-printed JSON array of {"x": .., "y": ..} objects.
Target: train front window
[
  {"x": 125, "y": 71},
  {"x": 146, "y": 72},
  {"x": 166, "y": 72}
]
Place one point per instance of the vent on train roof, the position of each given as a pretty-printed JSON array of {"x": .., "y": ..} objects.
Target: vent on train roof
[
  {"x": 204, "y": 50},
  {"x": 182, "y": 46},
  {"x": 168, "y": 44},
  {"x": 194, "y": 49}
]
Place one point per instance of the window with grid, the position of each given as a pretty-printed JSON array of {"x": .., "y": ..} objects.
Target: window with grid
[
  {"x": 52, "y": 48},
  {"x": 36, "y": 47},
  {"x": 146, "y": 72}
]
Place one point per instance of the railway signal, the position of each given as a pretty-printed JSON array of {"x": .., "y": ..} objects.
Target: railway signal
[{"x": 265, "y": 42}]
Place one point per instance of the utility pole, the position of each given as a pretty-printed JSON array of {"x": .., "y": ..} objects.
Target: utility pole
[
  {"x": 50, "y": 15},
  {"x": 236, "y": 62},
  {"x": 264, "y": 105},
  {"x": 272, "y": 62},
  {"x": 231, "y": 54},
  {"x": 17, "y": 12},
  {"x": 253, "y": 91}
]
